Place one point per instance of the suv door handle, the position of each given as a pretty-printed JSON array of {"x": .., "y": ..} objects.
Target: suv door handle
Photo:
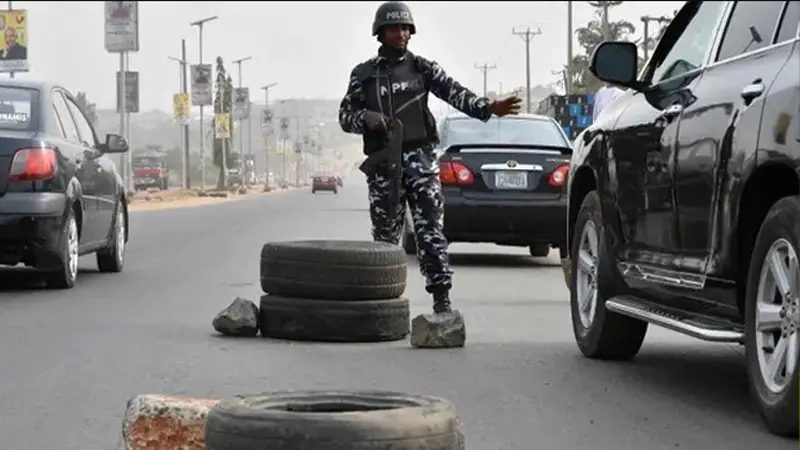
[
  {"x": 672, "y": 111},
  {"x": 752, "y": 91}
]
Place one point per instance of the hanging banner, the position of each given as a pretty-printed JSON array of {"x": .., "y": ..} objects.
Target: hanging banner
[
  {"x": 122, "y": 26},
  {"x": 241, "y": 103},
  {"x": 14, "y": 54},
  {"x": 202, "y": 85},
  {"x": 131, "y": 91},
  {"x": 180, "y": 108},
  {"x": 222, "y": 129}
]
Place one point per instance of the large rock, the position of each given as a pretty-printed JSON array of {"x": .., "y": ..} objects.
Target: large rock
[
  {"x": 238, "y": 319},
  {"x": 159, "y": 422},
  {"x": 446, "y": 330}
]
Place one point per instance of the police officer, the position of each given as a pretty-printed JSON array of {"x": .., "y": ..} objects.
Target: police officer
[{"x": 395, "y": 84}]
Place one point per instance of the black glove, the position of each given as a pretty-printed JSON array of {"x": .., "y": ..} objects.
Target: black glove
[{"x": 375, "y": 121}]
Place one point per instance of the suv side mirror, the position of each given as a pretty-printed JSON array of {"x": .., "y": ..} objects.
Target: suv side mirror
[
  {"x": 616, "y": 63},
  {"x": 115, "y": 144}
]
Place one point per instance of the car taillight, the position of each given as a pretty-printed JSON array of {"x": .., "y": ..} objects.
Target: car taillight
[
  {"x": 30, "y": 164},
  {"x": 559, "y": 176},
  {"x": 454, "y": 173}
]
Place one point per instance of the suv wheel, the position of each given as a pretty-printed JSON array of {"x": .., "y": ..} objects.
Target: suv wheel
[
  {"x": 112, "y": 259},
  {"x": 599, "y": 333},
  {"x": 772, "y": 317},
  {"x": 64, "y": 277}
]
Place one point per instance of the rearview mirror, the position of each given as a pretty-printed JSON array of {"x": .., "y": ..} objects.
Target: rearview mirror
[
  {"x": 616, "y": 63},
  {"x": 115, "y": 144}
]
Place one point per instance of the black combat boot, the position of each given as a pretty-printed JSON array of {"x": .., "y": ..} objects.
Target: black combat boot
[{"x": 441, "y": 301}]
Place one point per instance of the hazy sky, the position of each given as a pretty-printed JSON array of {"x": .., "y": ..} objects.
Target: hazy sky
[{"x": 309, "y": 48}]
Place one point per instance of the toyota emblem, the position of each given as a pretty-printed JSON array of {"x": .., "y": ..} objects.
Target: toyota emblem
[{"x": 511, "y": 163}]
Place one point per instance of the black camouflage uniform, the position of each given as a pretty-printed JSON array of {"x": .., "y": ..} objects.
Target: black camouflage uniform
[{"x": 384, "y": 84}]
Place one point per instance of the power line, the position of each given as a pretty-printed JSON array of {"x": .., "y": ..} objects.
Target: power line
[
  {"x": 485, "y": 68},
  {"x": 527, "y": 36}
]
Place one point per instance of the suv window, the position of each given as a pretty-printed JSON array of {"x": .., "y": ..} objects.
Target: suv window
[
  {"x": 85, "y": 130},
  {"x": 750, "y": 27},
  {"x": 790, "y": 22},
  {"x": 689, "y": 51},
  {"x": 65, "y": 118}
]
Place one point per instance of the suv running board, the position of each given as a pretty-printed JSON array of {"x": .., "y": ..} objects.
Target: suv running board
[{"x": 700, "y": 327}]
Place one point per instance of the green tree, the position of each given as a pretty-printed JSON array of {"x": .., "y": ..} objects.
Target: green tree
[
  {"x": 599, "y": 29},
  {"x": 88, "y": 108},
  {"x": 223, "y": 103}
]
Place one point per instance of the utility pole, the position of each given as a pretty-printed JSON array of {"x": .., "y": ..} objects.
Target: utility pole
[
  {"x": 268, "y": 132},
  {"x": 485, "y": 68},
  {"x": 242, "y": 165},
  {"x": 199, "y": 24},
  {"x": 184, "y": 88},
  {"x": 568, "y": 74},
  {"x": 646, "y": 20},
  {"x": 527, "y": 36}
]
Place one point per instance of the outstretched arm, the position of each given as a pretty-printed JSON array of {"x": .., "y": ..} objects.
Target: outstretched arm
[
  {"x": 351, "y": 110},
  {"x": 452, "y": 92}
]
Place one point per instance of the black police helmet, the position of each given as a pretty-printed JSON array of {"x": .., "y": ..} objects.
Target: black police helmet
[{"x": 393, "y": 13}]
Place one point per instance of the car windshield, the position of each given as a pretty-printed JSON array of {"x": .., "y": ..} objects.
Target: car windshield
[
  {"x": 16, "y": 108},
  {"x": 518, "y": 131},
  {"x": 147, "y": 163}
]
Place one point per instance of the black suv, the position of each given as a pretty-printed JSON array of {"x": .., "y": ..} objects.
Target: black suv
[
  {"x": 684, "y": 196},
  {"x": 60, "y": 195}
]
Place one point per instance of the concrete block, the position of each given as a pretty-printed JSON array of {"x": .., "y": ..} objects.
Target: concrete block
[{"x": 160, "y": 422}]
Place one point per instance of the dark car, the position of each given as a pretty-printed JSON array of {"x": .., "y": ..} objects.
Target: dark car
[
  {"x": 60, "y": 195},
  {"x": 503, "y": 182},
  {"x": 324, "y": 181},
  {"x": 684, "y": 196}
]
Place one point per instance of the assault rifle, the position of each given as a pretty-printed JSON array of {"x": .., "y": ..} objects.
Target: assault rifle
[{"x": 392, "y": 155}]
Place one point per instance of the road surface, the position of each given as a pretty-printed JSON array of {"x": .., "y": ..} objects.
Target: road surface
[{"x": 69, "y": 360}]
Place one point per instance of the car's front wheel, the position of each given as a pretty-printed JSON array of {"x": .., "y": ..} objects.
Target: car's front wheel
[
  {"x": 772, "y": 317},
  {"x": 112, "y": 259},
  {"x": 598, "y": 332}
]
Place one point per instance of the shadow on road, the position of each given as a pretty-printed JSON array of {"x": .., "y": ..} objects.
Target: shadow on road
[
  {"x": 25, "y": 279},
  {"x": 498, "y": 260}
]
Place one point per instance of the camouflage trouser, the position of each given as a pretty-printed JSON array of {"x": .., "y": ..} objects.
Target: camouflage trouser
[{"x": 422, "y": 191}]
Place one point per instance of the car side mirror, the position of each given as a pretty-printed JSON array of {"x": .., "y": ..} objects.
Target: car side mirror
[
  {"x": 616, "y": 62},
  {"x": 115, "y": 144}
]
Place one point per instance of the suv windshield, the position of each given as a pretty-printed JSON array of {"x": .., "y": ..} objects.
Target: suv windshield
[
  {"x": 16, "y": 106},
  {"x": 506, "y": 130}
]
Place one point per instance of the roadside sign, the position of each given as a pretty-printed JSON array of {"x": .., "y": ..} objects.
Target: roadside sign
[
  {"x": 122, "y": 26},
  {"x": 241, "y": 103},
  {"x": 131, "y": 91},
  {"x": 222, "y": 129},
  {"x": 202, "y": 85},
  {"x": 180, "y": 108},
  {"x": 14, "y": 56}
]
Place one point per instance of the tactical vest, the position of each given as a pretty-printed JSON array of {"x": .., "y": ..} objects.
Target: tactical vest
[{"x": 400, "y": 91}]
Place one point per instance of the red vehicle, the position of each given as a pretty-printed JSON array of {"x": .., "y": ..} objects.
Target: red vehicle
[
  {"x": 150, "y": 172},
  {"x": 324, "y": 181}
]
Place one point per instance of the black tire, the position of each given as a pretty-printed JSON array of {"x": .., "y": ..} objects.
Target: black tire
[
  {"x": 64, "y": 277},
  {"x": 778, "y": 409},
  {"x": 609, "y": 335},
  {"x": 333, "y": 270},
  {"x": 315, "y": 320},
  {"x": 334, "y": 420},
  {"x": 539, "y": 250},
  {"x": 112, "y": 259}
]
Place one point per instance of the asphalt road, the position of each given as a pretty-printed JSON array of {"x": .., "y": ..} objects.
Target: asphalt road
[{"x": 69, "y": 360}]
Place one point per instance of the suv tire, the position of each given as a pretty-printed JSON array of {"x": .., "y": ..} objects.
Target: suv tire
[{"x": 599, "y": 333}]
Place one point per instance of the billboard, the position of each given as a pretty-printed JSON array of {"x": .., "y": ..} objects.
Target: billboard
[
  {"x": 14, "y": 54},
  {"x": 202, "y": 85},
  {"x": 122, "y": 26},
  {"x": 241, "y": 103},
  {"x": 180, "y": 108},
  {"x": 131, "y": 91}
]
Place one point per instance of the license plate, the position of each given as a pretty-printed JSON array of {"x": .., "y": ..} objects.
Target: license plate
[{"x": 511, "y": 180}]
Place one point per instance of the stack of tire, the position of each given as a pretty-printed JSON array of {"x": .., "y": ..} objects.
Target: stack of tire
[{"x": 333, "y": 291}]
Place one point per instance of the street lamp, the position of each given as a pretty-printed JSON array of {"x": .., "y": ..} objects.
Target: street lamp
[
  {"x": 239, "y": 62},
  {"x": 182, "y": 83},
  {"x": 199, "y": 24},
  {"x": 266, "y": 133}
]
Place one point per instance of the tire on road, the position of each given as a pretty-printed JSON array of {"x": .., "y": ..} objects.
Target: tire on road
[
  {"x": 777, "y": 402},
  {"x": 333, "y": 270},
  {"x": 609, "y": 335},
  {"x": 302, "y": 319},
  {"x": 325, "y": 420}
]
